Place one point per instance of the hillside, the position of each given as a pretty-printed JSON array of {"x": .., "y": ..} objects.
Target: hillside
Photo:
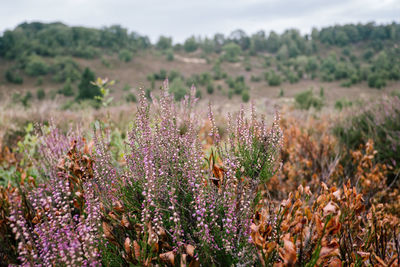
[{"x": 346, "y": 61}]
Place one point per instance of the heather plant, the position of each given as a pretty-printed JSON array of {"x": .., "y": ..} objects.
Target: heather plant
[
  {"x": 174, "y": 204},
  {"x": 56, "y": 216}
]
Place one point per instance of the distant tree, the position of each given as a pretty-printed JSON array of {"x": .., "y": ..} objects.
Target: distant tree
[
  {"x": 190, "y": 44},
  {"x": 207, "y": 46},
  {"x": 219, "y": 41},
  {"x": 87, "y": 90},
  {"x": 273, "y": 42},
  {"x": 283, "y": 53},
  {"x": 341, "y": 38},
  {"x": 232, "y": 52},
  {"x": 164, "y": 43},
  {"x": 240, "y": 38},
  {"x": 258, "y": 42}
]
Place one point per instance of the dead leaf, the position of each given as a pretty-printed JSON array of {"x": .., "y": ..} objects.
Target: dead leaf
[
  {"x": 329, "y": 208},
  {"x": 168, "y": 257},
  {"x": 190, "y": 250},
  {"x": 127, "y": 246},
  {"x": 136, "y": 249},
  {"x": 288, "y": 253}
]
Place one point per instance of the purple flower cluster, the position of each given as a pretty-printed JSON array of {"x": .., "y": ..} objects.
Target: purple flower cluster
[
  {"x": 166, "y": 158},
  {"x": 48, "y": 225},
  {"x": 165, "y": 189}
]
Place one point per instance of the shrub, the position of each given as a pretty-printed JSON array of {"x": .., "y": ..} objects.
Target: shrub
[
  {"x": 160, "y": 76},
  {"x": 105, "y": 62},
  {"x": 36, "y": 66},
  {"x": 87, "y": 90},
  {"x": 198, "y": 94},
  {"x": 232, "y": 52},
  {"x": 218, "y": 75},
  {"x": 273, "y": 78},
  {"x": 13, "y": 75},
  {"x": 307, "y": 99},
  {"x": 376, "y": 80},
  {"x": 174, "y": 74},
  {"x": 130, "y": 98},
  {"x": 125, "y": 55},
  {"x": 168, "y": 183},
  {"x": 247, "y": 64},
  {"x": 281, "y": 92},
  {"x": 210, "y": 89},
  {"x": 89, "y": 208},
  {"x": 378, "y": 121},
  {"x": 169, "y": 55},
  {"x": 39, "y": 81},
  {"x": 86, "y": 51},
  {"x": 40, "y": 94},
  {"x": 65, "y": 68},
  {"x": 66, "y": 90},
  {"x": 230, "y": 93},
  {"x": 342, "y": 103},
  {"x": 164, "y": 43},
  {"x": 148, "y": 94},
  {"x": 16, "y": 97},
  {"x": 190, "y": 45},
  {"x": 255, "y": 79},
  {"x": 245, "y": 96},
  {"x": 178, "y": 89},
  {"x": 291, "y": 76},
  {"x": 26, "y": 99},
  {"x": 346, "y": 84}
]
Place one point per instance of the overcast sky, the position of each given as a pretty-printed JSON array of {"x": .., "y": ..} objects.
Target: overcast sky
[{"x": 183, "y": 18}]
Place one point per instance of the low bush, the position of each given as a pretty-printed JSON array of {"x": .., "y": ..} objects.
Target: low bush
[
  {"x": 178, "y": 89},
  {"x": 40, "y": 94},
  {"x": 36, "y": 66},
  {"x": 343, "y": 103},
  {"x": 65, "y": 68},
  {"x": 378, "y": 121},
  {"x": 245, "y": 96},
  {"x": 131, "y": 98},
  {"x": 273, "y": 78},
  {"x": 210, "y": 89},
  {"x": 13, "y": 75},
  {"x": 255, "y": 79},
  {"x": 26, "y": 99},
  {"x": 125, "y": 55},
  {"x": 307, "y": 99},
  {"x": 67, "y": 89},
  {"x": 169, "y": 54}
]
